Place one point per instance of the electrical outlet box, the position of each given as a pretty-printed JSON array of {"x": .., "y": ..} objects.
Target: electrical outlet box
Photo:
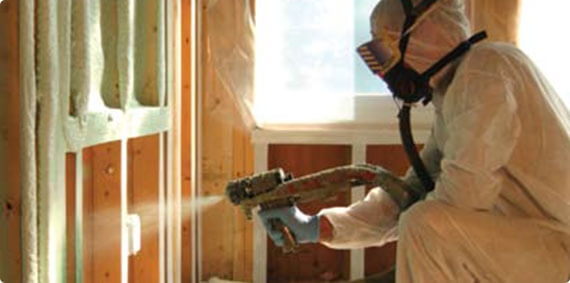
[{"x": 134, "y": 233}]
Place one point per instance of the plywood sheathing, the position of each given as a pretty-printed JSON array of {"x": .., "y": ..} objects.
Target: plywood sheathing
[
  {"x": 102, "y": 213},
  {"x": 70, "y": 205},
  {"x": 172, "y": 143},
  {"x": 231, "y": 48},
  {"x": 143, "y": 200},
  {"x": 226, "y": 250}
]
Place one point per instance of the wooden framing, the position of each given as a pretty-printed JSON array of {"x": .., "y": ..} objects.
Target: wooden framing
[
  {"x": 186, "y": 139},
  {"x": 112, "y": 167},
  {"x": 261, "y": 151},
  {"x": 173, "y": 144},
  {"x": 10, "y": 196},
  {"x": 223, "y": 146},
  {"x": 70, "y": 204},
  {"x": 61, "y": 122},
  {"x": 152, "y": 103}
]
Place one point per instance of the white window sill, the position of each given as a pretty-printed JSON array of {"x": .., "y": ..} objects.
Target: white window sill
[
  {"x": 377, "y": 123},
  {"x": 334, "y": 134}
]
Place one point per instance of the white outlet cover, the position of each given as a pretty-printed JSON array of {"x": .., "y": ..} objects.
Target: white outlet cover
[{"x": 134, "y": 233}]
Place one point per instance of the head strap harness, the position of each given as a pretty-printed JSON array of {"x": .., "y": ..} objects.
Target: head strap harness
[{"x": 412, "y": 15}]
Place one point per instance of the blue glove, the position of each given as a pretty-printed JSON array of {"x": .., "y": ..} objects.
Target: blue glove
[{"x": 305, "y": 228}]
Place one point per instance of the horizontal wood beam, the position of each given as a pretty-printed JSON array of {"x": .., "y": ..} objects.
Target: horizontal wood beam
[{"x": 114, "y": 124}]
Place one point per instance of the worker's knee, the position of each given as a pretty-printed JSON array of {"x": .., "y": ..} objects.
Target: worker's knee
[{"x": 422, "y": 217}]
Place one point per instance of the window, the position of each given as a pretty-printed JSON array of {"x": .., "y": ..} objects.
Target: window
[
  {"x": 307, "y": 70},
  {"x": 543, "y": 36}
]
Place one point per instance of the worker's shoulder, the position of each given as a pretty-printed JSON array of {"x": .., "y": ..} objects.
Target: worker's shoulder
[
  {"x": 491, "y": 56},
  {"x": 493, "y": 48}
]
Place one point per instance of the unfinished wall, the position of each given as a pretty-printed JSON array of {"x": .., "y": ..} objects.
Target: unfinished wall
[
  {"x": 227, "y": 153},
  {"x": 10, "y": 258},
  {"x": 102, "y": 71},
  {"x": 499, "y": 18},
  {"x": 188, "y": 73}
]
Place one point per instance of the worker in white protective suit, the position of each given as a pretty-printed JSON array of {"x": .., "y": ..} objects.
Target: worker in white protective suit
[{"x": 499, "y": 154}]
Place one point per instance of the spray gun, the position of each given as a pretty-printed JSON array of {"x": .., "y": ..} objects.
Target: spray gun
[{"x": 275, "y": 189}]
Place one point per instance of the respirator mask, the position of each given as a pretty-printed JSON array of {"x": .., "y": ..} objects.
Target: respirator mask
[{"x": 387, "y": 60}]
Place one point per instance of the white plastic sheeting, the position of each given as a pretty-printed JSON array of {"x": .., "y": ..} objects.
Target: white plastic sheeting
[{"x": 231, "y": 48}]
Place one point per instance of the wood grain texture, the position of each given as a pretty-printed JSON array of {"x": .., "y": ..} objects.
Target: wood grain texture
[
  {"x": 10, "y": 198},
  {"x": 314, "y": 262},
  {"x": 143, "y": 200},
  {"x": 186, "y": 142},
  {"x": 70, "y": 189},
  {"x": 102, "y": 214},
  {"x": 88, "y": 233},
  {"x": 243, "y": 229},
  {"x": 173, "y": 144},
  {"x": 227, "y": 152}
]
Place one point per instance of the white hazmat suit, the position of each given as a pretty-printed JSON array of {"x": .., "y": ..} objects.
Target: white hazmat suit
[{"x": 499, "y": 154}]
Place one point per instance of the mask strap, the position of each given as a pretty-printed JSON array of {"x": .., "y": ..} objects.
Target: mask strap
[
  {"x": 412, "y": 152},
  {"x": 408, "y": 22},
  {"x": 461, "y": 49},
  {"x": 412, "y": 14},
  {"x": 422, "y": 7},
  {"x": 408, "y": 7}
]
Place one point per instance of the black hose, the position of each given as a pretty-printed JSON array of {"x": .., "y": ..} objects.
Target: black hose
[{"x": 411, "y": 150}]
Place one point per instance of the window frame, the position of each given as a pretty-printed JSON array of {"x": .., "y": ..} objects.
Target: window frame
[{"x": 373, "y": 112}]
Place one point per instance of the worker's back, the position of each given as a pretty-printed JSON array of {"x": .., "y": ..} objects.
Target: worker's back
[{"x": 535, "y": 181}]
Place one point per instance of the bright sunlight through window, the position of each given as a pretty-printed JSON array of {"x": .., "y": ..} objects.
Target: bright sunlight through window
[
  {"x": 307, "y": 70},
  {"x": 543, "y": 35}
]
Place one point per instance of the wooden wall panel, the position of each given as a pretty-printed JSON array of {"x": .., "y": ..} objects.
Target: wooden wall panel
[
  {"x": 70, "y": 193},
  {"x": 217, "y": 220},
  {"x": 186, "y": 142},
  {"x": 102, "y": 214},
  {"x": 393, "y": 158},
  {"x": 143, "y": 200},
  {"x": 174, "y": 144},
  {"x": 314, "y": 262},
  {"x": 226, "y": 152},
  {"x": 88, "y": 233},
  {"x": 243, "y": 229},
  {"x": 10, "y": 216}
]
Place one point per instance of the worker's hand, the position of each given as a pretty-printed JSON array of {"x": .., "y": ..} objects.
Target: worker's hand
[{"x": 305, "y": 228}]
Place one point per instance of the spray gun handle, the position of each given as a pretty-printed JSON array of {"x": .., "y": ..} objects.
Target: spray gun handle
[{"x": 289, "y": 243}]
